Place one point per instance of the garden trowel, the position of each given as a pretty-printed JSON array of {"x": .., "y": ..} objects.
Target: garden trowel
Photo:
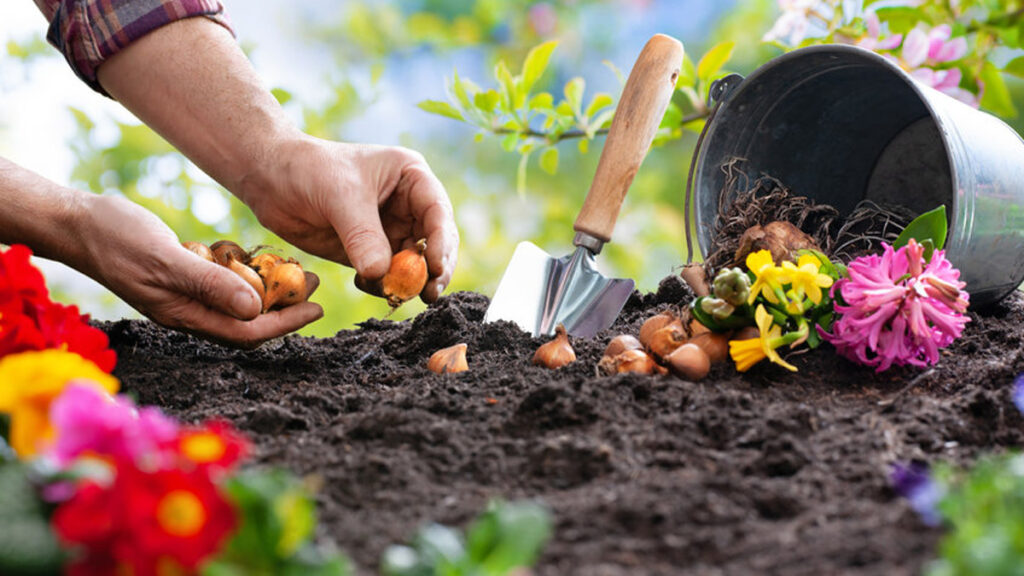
[{"x": 538, "y": 292}]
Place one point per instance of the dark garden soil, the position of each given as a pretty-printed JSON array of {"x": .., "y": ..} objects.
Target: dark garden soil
[{"x": 763, "y": 473}]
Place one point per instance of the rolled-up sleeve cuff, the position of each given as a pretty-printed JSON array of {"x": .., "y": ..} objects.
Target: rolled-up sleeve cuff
[{"x": 88, "y": 32}]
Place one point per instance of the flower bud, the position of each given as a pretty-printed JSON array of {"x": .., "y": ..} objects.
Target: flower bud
[
  {"x": 717, "y": 308},
  {"x": 733, "y": 286}
]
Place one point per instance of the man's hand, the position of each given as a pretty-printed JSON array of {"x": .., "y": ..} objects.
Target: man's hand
[
  {"x": 356, "y": 205},
  {"x": 135, "y": 255}
]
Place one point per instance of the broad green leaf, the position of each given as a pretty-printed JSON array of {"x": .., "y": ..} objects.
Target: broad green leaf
[
  {"x": 549, "y": 161},
  {"x": 459, "y": 88},
  {"x": 996, "y": 98},
  {"x": 930, "y": 226},
  {"x": 714, "y": 60},
  {"x": 508, "y": 536},
  {"x": 281, "y": 95},
  {"x": 599, "y": 101},
  {"x": 688, "y": 73},
  {"x": 1015, "y": 67},
  {"x": 509, "y": 142},
  {"x": 536, "y": 63},
  {"x": 584, "y": 146},
  {"x": 542, "y": 101},
  {"x": 574, "y": 94},
  {"x": 441, "y": 109},
  {"x": 487, "y": 101},
  {"x": 901, "y": 19},
  {"x": 508, "y": 83}
]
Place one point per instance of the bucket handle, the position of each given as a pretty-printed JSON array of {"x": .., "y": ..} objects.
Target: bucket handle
[{"x": 720, "y": 92}]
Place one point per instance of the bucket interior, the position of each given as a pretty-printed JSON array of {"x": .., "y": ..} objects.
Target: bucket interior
[{"x": 836, "y": 126}]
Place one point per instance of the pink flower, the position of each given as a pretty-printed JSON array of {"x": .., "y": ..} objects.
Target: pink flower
[
  {"x": 89, "y": 421},
  {"x": 924, "y": 50},
  {"x": 898, "y": 308},
  {"x": 794, "y": 22},
  {"x": 874, "y": 40}
]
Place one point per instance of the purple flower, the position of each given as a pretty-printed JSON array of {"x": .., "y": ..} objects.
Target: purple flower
[
  {"x": 1018, "y": 393},
  {"x": 914, "y": 482},
  {"x": 88, "y": 421},
  {"x": 899, "y": 309}
]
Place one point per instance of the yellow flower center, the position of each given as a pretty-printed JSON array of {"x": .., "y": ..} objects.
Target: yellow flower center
[
  {"x": 181, "y": 514},
  {"x": 203, "y": 447}
]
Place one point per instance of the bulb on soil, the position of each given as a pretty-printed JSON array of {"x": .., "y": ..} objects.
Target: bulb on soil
[
  {"x": 556, "y": 353},
  {"x": 695, "y": 277},
  {"x": 630, "y": 361},
  {"x": 449, "y": 360},
  {"x": 249, "y": 275},
  {"x": 620, "y": 344},
  {"x": 716, "y": 346},
  {"x": 286, "y": 285},
  {"x": 655, "y": 323},
  {"x": 689, "y": 362},
  {"x": 223, "y": 250},
  {"x": 666, "y": 340},
  {"x": 199, "y": 249}
]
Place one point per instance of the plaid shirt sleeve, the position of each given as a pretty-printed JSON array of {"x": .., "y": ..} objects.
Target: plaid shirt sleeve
[{"x": 88, "y": 32}]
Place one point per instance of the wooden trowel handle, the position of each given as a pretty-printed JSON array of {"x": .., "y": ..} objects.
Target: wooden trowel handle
[{"x": 641, "y": 108}]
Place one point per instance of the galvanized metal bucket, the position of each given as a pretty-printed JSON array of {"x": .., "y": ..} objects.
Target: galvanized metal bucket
[{"x": 840, "y": 124}]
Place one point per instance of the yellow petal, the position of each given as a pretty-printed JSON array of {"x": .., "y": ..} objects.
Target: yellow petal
[
  {"x": 30, "y": 430},
  {"x": 809, "y": 259},
  {"x": 746, "y": 353},
  {"x": 756, "y": 261}
]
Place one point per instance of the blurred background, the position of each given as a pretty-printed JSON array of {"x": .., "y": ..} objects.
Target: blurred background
[{"x": 354, "y": 71}]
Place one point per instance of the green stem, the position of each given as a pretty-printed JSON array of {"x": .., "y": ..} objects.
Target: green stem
[{"x": 572, "y": 134}]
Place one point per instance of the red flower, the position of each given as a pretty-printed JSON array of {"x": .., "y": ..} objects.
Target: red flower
[
  {"x": 146, "y": 523},
  {"x": 215, "y": 445},
  {"x": 30, "y": 321},
  {"x": 19, "y": 279},
  {"x": 63, "y": 327},
  {"x": 170, "y": 516}
]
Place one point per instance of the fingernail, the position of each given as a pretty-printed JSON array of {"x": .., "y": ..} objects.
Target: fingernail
[{"x": 242, "y": 304}]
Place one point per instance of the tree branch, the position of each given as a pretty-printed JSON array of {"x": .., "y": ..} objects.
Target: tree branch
[{"x": 574, "y": 134}]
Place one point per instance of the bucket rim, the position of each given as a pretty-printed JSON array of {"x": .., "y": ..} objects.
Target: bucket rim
[{"x": 923, "y": 93}]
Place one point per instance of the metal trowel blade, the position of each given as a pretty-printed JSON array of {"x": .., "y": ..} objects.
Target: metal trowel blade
[{"x": 538, "y": 292}]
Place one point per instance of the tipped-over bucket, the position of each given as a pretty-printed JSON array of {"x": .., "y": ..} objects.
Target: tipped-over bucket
[{"x": 841, "y": 124}]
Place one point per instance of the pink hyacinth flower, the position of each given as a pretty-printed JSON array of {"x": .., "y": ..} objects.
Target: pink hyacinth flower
[
  {"x": 899, "y": 309},
  {"x": 88, "y": 421}
]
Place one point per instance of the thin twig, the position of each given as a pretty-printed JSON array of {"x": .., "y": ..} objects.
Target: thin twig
[{"x": 571, "y": 134}]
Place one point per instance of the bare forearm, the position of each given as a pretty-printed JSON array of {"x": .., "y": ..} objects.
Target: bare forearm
[
  {"x": 37, "y": 212},
  {"x": 191, "y": 83}
]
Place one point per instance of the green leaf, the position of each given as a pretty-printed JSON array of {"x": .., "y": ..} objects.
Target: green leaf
[
  {"x": 1015, "y": 67},
  {"x": 688, "y": 73},
  {"x": 997, "y": 98},
  {"x": 714, "y": 60},
  {"x": 930, "y": 226},
  {"x": 441, "y": 109},
  {"x": 281, "y": 95},
  {"x": 542, "y": 101},
  {"x": 599, "y": 101},
  {"x": 508, "y": 83},
  {"x": 901, "y": 19},
  {"x": 574, "y": 94},
  {"x": 549, "y": 161},
  {"x": 536, "y": 63},
  {"x": 510, "y": 141},
  {"x": 584, "y": 146},
  {"x": 487, "y": 101},
  {"x": 461, "y": 90},
  {"x": 508, "y": 536}
]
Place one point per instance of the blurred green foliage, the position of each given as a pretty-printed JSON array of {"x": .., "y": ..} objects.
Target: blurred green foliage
[{"x": 541, "y": 97}]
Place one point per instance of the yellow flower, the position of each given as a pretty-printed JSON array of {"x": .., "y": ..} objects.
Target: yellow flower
[
  {"x": 747, "y": 353},
  {"x": 770, "y": 277},
  {"x": 807, "y": 278},
  {"x": 30, "y": 381}
]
